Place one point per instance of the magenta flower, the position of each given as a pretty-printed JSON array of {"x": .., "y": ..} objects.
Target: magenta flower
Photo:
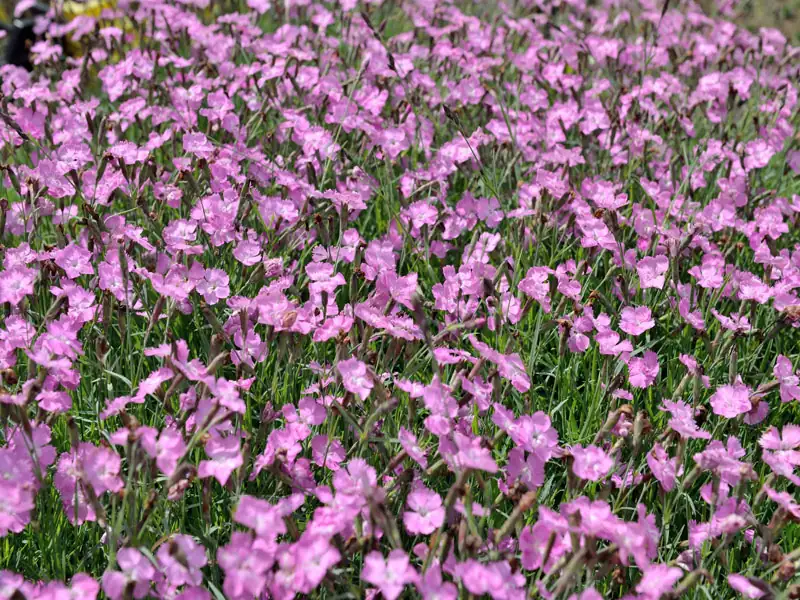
[
  {"x": 730, "y": 401},
  {"x": 590, "y": 463},
  {"x": 355, "y": 377},
  {"x": 425, "y": 513},
  {"x": 390, "y": 576}
]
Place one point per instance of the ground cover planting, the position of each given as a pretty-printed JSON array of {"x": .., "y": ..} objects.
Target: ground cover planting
[{"x": 423, "y": 299}]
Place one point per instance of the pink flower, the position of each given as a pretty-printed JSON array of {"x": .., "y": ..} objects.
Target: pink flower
[
  {"x": 317, "y": 555},
  {"x": 426, "y": 512},
  {"x": 785, "y": 500},
  {"x": 642, "y": 372},
  {"x": 248, "y": 252},
  {"x": 528, "y": 471},
  {"x": 730, "y": 401},
  {"x": 180, "y": 234},
  {"x": 782, "y": 451},
  {"x": 683, "y": 421},
  {"x": 128, "y": 152},
  {"x": 735, "y": 322},
  {"x": 225, "y": 458},
  {"x": 167, "y": 450},
  {"x": 747, "y": 586},
  {"x": 635, "y": 321},
  {"x": 467, "y": 453},
  {"x": 609, "y": 344},
  {"x": 390, "y": 576},
  {"x": 355, "y": 377},
  {"x": 789, "y": 388},
  {"x": 16, "y": 505},
  {"x": 495, "y": 579},
  {"x": 590, "y": 463},
  {"x": 652, "y": 271},
  {"x": 181, "y": 558},
  {"x": 409, "y": 443},
  {"x": 758, "y": 154},
  {"x": 327, "y": 453},
  {"x": 214, "y": 286},
  {"x": 536, "y": 285},
  {"x": 100, "y": 467},
  {"x": 401, "y": 289},
  {"x": 723, "y": 460},
  {"x": 261, "y": 516},
  {"x": 198, "y": 144},
  {"x": 75, "y": 261},
  {"x": 658, "y": 579},
  {"x": 433, "y": 587},
  {"x": 54, "y": 401},
  {"x": 16, "y": 283},
  {"x": 136, "y": 572},
  {"x": 245, "y": 562},
  {"x": 510, "y": 366},
  {"x": 664, "y": 468},
  {"x": 393, "y": 142}
]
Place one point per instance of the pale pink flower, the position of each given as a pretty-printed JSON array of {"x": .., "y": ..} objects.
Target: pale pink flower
[
  {"x": 636, "y": 320},
  {"x": 590, "y": 463},
  {"x": 425, "y": 513},
  {"x": 391, "y": 575},
  {"x": 355, "y": 377},
  {"x": 652, "y": 271},
  {"x": 730, "y": 401}
]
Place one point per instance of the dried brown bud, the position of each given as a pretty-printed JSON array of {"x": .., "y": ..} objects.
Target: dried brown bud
[
  {"x": 786, "y": 571},
  {"x": 775, "y": 555},
  {"x": 10, "y": 377}
]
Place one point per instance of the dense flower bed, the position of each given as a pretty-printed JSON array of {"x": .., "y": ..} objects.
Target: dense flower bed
[{"x": 435, "y": 298}]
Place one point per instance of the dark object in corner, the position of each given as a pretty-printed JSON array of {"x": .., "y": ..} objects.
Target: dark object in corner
[{"x": 20, "y": 37}]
